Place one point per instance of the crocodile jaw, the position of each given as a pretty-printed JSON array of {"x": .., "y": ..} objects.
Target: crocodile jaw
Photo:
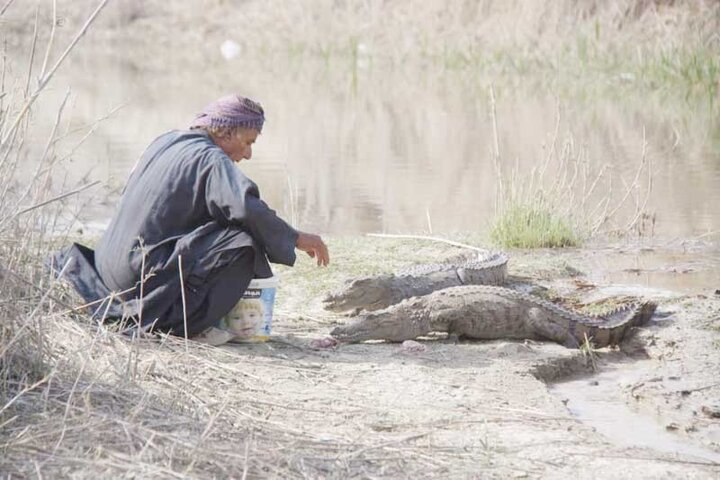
[
  {"x": 346, "y": 334},
  {"x": 368, "y": 293},
  {"x": 371, "y": 326}
]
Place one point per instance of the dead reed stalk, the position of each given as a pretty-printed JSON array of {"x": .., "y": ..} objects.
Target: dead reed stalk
[
  {"x": 566, "y": 198},
  {"x": 81, "y": 398}
]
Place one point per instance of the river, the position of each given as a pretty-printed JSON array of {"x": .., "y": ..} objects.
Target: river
[{"x": 352, "y": 146}]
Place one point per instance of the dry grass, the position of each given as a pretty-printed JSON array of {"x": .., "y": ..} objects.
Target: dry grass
[
  {"x": 105, "y": 405},
  {"x": 658, "y": 44},
  {"x": 566, "y": 197},
  {"x": 151, "y": 408},
  {"x": 78, "y": 399}
]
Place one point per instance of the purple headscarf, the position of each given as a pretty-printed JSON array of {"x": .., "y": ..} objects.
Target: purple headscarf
[{"x": 231, "y": 111}]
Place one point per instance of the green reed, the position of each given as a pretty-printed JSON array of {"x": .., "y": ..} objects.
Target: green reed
[{"x": 533, "y": 226}]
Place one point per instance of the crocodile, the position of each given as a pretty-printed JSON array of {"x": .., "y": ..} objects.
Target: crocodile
[
  {"x": 381, "y": 291},
  {"x": 492, "y": 312}
]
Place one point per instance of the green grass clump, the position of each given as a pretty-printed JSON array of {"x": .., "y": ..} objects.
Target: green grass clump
[{"x": 525, "y": 226}]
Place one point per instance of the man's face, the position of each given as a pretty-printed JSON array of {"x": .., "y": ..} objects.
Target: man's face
[{"x": 238, "y": 147}]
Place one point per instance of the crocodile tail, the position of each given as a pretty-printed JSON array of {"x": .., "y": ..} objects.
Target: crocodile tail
[
  {"x": 614, "y": 327},
  {"x": 491, "y": 270}
]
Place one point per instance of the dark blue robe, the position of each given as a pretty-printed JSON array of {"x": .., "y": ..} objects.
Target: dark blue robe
[{"x": 185, "y": 203}]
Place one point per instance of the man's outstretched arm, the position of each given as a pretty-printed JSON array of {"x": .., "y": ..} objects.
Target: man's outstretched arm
[{"x": 314, "y": 246}]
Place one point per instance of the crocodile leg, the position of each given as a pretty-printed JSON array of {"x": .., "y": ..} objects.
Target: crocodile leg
[{"x": 542, "y": 324}]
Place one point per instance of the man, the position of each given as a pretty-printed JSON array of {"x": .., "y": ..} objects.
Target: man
[{"x": 190, "y": 232}]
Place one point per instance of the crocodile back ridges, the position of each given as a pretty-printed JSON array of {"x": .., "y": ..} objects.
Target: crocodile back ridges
[
  {"x": 531, "y": 300},
  {"x": 618, "y": 325},
  {"x": 492, "y": 266},
  {"x": 634, "y": 314},
  {"x": 621, "y": 318},
  {"x": 375, "y": 292}
]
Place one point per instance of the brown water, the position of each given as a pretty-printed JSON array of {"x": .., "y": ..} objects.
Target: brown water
[
  {"x": 351, "y": 148},
  {"x": 597, "y": 402},
  {"x": 680, "y": 266}
]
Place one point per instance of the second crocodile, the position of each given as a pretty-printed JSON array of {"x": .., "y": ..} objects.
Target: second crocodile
[
  {"x": 487, "y": 312},
  {"x": 381, "y": 291}
]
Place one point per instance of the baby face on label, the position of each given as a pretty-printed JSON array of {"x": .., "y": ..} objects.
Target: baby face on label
[{"x": 245, "y": 320}]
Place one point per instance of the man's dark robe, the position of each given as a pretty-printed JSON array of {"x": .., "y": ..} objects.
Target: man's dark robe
[{"x": 185, "y": 204}]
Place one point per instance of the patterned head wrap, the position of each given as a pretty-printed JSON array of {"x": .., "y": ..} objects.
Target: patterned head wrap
[{"x": 231, "y": 111}]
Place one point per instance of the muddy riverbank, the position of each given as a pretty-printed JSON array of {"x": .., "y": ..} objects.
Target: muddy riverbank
[
  {"x": 462, "y": 409},
  {"x": 664, "y": 379},
  {"x": 373, "y": 130}
]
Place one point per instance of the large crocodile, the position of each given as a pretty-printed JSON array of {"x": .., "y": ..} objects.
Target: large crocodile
[
  {"x": 381, "y": 291},
  {"x": 489, "y": 312}
]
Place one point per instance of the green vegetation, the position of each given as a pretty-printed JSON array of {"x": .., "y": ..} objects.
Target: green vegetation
[
  {"x": 653, "y": 44},
  {"x": 564, "y": 198},
  {"x": 532, "y": 226},
  {"x": 79, "y": 399}
]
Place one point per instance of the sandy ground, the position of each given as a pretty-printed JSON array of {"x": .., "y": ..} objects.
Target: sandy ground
[
  {"x": 456, "y": 410},
  {"x": 460, "y": 411},
  {"x": 487, "y": 405}
]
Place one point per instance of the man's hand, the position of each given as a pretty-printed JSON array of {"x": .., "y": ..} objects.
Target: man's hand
[{"x": 313, "y": 246}]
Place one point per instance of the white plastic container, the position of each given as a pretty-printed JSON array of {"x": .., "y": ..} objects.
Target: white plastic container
[{"x": 251, "y": 319}]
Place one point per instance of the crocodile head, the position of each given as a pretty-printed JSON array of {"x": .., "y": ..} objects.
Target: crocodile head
[
  {"x": 370, "y": 293},
  {"x": 370, "y": 326}
]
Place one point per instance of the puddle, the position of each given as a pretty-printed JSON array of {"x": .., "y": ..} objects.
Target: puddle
[
  {"x": 670, "y": 270},
  {"x": 601, "y": 407}
]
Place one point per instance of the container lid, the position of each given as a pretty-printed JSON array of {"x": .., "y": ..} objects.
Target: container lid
[{"x": 271, "y": 282}]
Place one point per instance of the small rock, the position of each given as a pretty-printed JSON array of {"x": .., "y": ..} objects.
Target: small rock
[
  {"x": 383, "y": 427},
  {"x": 412, "y": 347},
  {"x": 594, "y": 383},
  {"x": 711, "y": 410},
  {"x": 572, "y": 271},
  {"x": 505, "y": 349},
  {"x": 672, "y": 426},
  {"x": 323, "y": 343}
]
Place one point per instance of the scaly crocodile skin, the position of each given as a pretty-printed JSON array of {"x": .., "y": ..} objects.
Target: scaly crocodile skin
[
  {"x": 381, "y": 291},
  {"x": 490, "y": 312}
]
